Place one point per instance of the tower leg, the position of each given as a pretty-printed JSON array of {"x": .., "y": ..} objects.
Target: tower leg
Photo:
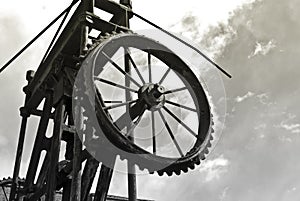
[
  {"x": 25, "y": 114},
  {"x": 104, "y": 182},
  {"x": 19, "y": 154},
  {"x": 54, "y": 151}
]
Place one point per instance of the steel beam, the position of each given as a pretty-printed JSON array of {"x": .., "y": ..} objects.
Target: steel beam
[
  {"x": 102, "y": 25},
  {"x": 54, "y": 151},
  {"x": 111, "y": 6},
  {"x": 104, "y": 181},
  {"x": 88, "y": 176},
  {"x": 25, "y": 114},
  {"x": 35, "y": 86},
  {"x": 87, "y": 5},
  {"x": 40, "y": 142},
  {"x": 18, "y": 158}
]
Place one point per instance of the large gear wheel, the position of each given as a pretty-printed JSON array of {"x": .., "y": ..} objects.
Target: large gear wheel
[{"x": 143, "y": 103}]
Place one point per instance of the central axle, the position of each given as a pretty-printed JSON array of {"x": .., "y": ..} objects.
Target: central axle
[{"x": 153, "y": 95}]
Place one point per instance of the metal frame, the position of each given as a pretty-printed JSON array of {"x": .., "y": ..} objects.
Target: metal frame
[{"x": 53, "y": 83}]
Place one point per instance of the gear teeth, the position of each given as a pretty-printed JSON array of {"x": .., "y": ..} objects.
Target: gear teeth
[
  {"x": 209, "y": 144},
  {"x": 197, "y": 160},
  {"x": 202, "y": 157},
  {"x": 169, "y": 173},
  {"x": 192, "y": 166},
  {"x": 178, "y": 171},
  {"x": 143, "y": 168},
  {"x": 160, "y": 173},
  {"x": 185, "y": 169},
  {"x": 6, "y": 182},
  {"x": 121, "y": 157},
  {"x": 206, "y": 151}
]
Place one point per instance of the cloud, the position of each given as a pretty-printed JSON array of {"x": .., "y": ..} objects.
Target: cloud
[
  {"x": 214, "y": 168},
  {"x": 263, "y": 158},
  {"x": 262, "y": 48},
  {"x": 242, "y": 98},
  {"x": 3, "y": 140},
  {"x": 292, "y": 189},
  {"x": 262, "y": 126},
  {"x": 264, "y": 98},
  {"x": 285, "y": 139},
  {"x": 224, "y": 194},
  {"x": 290, "y": 127},
  {"x": 293, "y": 128},
  {"x": 290, "y": 124}
]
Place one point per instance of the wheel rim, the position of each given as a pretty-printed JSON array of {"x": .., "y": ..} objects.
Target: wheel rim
[{"x": 164, "y": 105}]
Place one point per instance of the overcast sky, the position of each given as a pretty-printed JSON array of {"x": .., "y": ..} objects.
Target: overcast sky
[{"x": 256, "y": 41}]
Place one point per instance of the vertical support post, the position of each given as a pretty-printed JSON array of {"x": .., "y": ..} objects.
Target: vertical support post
[
  {"x": 39, "y": 141},
  {"x": 76, "y": 174},
  {"x": 69, "y": 138},
  {"x": 88, "y": 175},
  {"x": 132, "y": 187},
  {"x": 18, "y": 157},
  {"x": 104, "y": 181},
  {"x": 25, "y": 114},
  {"x": 54, "y": 150},
  {"x": 131, "y": 168},
  {"x": 75, "y": 193},
  {"x": 66, "y": 191}
]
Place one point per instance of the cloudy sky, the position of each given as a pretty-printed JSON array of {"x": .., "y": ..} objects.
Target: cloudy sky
[{"x": 256, "y": 41}]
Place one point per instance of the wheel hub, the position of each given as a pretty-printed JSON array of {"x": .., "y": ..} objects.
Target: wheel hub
[{"x": 153, "y": 95}]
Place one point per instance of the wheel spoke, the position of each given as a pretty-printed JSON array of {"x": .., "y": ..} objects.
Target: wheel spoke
[
  {"x": 113, "y": 102},
  {"x": 153, "y": 132},
  {"x": 121, "y": 70},
  {"x": 175, "y": 90},
  {"x": 115, "y": 84},
  {"x": 134, "y": 66},
  {"x": 164, "y": 76},
  {"x": 133, "y": 126},
  {"x": 149, "y": 66},
  {"x": 127, "y": 118},
  {"x": 179, "y": 121},
  {"x": 181, "y": 106},
  {"x": 119, "y": 105},
  {"x": 171, "y": 133}
]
